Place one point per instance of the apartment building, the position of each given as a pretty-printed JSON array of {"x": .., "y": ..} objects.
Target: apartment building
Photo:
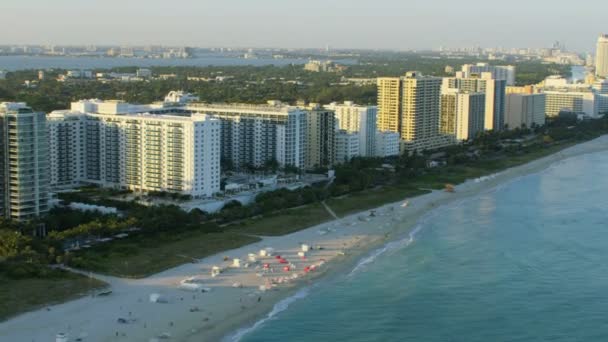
[
  {"x": 139, "y": 151},
  {"x": 321, "y": 137},
  {"x": 256, "y": 134},
  {"x": 462, "y": 114},
  {"x": 498, "y": 72},
  {"x": 347, "y": 146},
  {"x": 23, "y": 162},
  {"x": 525, "y": 110},
  {"x": 410, "y": 106},
  {"x": 387, "y": 144},
  {"x": 494, "y": 89},
  {"x": 389, "y": 104},
  {"x": 360, "y": 120}
]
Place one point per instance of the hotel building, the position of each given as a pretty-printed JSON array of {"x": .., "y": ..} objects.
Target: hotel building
[{"x": 570, "y": 101}]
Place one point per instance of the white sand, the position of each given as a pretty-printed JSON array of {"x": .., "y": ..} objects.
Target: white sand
[{"x": 226, "y": 308}]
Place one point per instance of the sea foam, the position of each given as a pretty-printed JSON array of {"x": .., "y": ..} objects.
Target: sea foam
[{"x": 277, "y": 308}]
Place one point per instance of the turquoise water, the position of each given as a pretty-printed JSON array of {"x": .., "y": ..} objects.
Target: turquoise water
[{"x": 525, "y": 262}]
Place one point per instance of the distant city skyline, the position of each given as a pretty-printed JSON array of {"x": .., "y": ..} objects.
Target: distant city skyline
[{"x": 357, "y": 24}]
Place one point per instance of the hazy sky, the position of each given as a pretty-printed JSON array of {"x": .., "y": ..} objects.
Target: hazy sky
[{"x": 394, "y": 24}]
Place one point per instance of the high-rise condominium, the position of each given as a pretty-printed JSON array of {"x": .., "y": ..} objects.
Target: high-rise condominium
[
  {"x": 525, "y": 110},
  {"x": 499, "y": 72},
  {"x": 321, "y": 137},
  {"x": 389, "y": 104},
  {"x": 410, "y": 105},
  {"x": 256, "y": 134},
  {"x": 462, "y": 113},
  {"x": 102, "y": 142},
  {"x": 23, "y": 162},
  {"x": 347, "y": 146},
  {"x": 360, "y": 120},
  {"x": 495, "y": 95},
  {"x": 601, "y": 56}
]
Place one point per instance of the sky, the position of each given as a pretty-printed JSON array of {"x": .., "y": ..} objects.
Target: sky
[{"x": 369, "y": 24}]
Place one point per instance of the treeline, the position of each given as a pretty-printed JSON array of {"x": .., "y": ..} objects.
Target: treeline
[{"x": 246, "y": 84}]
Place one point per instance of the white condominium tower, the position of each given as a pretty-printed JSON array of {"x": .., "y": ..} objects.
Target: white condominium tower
[
  {"x": 524, "y": 108},
  {"x": 495, "y": 95},
  {"x": 499, "y": 72},
  {"x": 601, "y": 56},
  {"x": 360, "y": 120},
  {"x": 347, "y": 146},
  {"x": 23, "y": 162},
  {"x": 112, "y": 147},
  {"x": 256, "y": 134},
  {"x": 68, "y": 148}
]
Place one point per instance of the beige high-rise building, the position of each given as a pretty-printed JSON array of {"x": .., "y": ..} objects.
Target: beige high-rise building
[
  {"x": 601, "y": 56},
  {"x": 420, "y": 107},
  {"x": 389, "y": 104},
  {"x": 410, "y": 105}
]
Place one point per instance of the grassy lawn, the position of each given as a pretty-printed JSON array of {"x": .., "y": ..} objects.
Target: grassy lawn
[
  {"x": 370, "y": 199},
  {"x": 145, "y": 255},
  {"x": 284, "y": 222},
  {"x": 22, "y": 295}
]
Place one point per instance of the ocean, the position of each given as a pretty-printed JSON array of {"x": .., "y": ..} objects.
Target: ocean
[{"x": 526, "y": 261}]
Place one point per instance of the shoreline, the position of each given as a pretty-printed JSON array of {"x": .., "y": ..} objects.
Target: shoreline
[{"x": 346, "y": 243}]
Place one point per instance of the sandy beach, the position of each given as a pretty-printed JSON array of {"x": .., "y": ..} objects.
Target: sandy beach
[{"x": 240, "y": 296}]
